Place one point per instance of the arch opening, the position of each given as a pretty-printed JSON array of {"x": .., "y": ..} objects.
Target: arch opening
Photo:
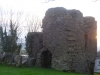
[{"x": 46, "y": 59}]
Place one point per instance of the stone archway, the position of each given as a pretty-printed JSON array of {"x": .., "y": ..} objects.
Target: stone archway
[{"x": 46, "y": 58}]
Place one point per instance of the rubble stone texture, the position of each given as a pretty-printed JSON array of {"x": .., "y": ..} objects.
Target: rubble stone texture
[
  {"x": 35, "y": 42},
  {"x": 71, "y": 39}
]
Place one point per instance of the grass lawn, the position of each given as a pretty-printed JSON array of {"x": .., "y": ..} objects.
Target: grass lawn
[
  {"x": 96, "y": 73},
  {"x": 9, "y": 70}
]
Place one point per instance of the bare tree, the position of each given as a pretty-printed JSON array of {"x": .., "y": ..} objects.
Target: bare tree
[
  {"x": 46, "y": 1},
  {"x": 33, "y": 23},
  {"x": 16, "y": 21},
  {"x": 10, "y": 16},
  {"x": 11, "y": 21},
  {"x": 95, "y": 0}
]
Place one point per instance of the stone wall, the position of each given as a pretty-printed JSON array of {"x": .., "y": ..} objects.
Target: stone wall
[
  {"x": 90, "y": 31},
  {"x": 1, "y": 39},
  {"x": 34, "y": 42},
  {"x": 70, "y": 38}
]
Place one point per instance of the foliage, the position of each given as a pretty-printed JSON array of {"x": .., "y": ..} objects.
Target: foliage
[
  {"x": 8, "y": 70},
  {"x": 28, "y": 45},
  {"x": 10, "y": 40}
]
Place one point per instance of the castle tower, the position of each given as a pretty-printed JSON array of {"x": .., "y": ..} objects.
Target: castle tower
[{"x": 64, "y": 36}]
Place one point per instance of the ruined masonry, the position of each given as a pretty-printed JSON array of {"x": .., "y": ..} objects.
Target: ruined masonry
[
  {"x": 35, "y": 42},
  {"x": 69, "y": 41},
  {"x": 0, "y": 39}
]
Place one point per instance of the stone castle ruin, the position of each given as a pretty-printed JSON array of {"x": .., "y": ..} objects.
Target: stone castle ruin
[
  {"x": 34, "y": 43},
  {"x": 69, "y": 41}
]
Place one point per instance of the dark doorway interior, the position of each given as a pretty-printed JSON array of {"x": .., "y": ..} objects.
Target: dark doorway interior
[{"x": 46, "y": 58}]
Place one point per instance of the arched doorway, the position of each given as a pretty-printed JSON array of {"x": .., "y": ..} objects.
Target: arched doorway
[{"x": 46, "y": 58}]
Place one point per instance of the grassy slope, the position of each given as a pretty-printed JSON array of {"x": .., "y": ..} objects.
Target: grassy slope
[{"x": 8, "y": 70}]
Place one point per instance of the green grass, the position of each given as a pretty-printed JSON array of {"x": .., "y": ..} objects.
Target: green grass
[
  {"x": 96, "y": 73},
  {"x": 9, "y": 70}
]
